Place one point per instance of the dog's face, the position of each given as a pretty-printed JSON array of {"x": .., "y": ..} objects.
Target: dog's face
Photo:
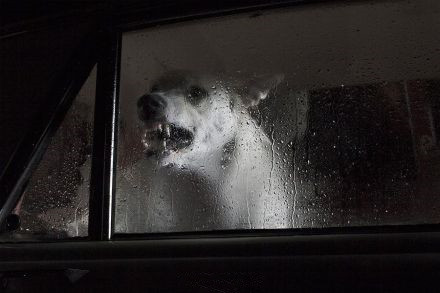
[{"x": 188, "y": 117}]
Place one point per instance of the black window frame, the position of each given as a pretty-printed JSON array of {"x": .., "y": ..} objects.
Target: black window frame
[{"x": 385, "y": 247}]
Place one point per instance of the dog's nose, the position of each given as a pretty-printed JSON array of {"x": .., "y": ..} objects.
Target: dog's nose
[{"x": 151, "y": 107}]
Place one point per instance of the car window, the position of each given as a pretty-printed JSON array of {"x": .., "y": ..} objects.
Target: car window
[
  {"x": 21, "y": 90},
  {"x": 314, "y": 116},
  {"x": 55, "y": 202}
]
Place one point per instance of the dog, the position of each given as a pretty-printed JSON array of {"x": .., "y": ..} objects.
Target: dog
[{"x": 207, "y": 163}]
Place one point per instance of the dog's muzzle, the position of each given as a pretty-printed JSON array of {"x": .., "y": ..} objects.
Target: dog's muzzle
[
  {"x": 164, "y": 138},
  {"x": 160, "y": 138},
  {"x": 151, "y": 107}
]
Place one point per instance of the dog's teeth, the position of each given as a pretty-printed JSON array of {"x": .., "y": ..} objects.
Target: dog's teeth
[
  {"x": 159, "y": 127},
  {"x": 145, "y": 142},
  {"x": 167, "y": 131}
]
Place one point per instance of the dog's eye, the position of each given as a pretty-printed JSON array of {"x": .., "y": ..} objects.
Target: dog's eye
[
  {"x": 155, "y": 88},
  {"x": 196, "y": 94}
]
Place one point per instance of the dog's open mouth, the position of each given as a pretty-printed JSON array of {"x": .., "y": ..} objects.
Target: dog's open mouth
[{"x": 164, "y": 138}]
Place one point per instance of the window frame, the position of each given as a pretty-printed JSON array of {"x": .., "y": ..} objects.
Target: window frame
[
  {"x": 31, "y": 148},
  {"x": 386, "y": 247}
]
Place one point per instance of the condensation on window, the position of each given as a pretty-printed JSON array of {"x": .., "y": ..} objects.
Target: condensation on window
[
  {"x": 323, "y": 115},
  {"x": 55, "y": 202}
]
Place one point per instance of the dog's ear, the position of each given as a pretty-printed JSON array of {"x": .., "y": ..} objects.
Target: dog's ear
[{"x": 258, "y": 89}]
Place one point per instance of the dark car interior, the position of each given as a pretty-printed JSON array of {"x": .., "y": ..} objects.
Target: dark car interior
[{"x": 353, "y": 126}]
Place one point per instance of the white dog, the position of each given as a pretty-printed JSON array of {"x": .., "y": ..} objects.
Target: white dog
[{"x": 208, "y": 164}]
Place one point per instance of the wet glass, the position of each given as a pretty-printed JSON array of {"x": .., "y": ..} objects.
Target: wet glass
[
  {"x": 323, "y": 115},
  {"x": 55, "y": 202}
]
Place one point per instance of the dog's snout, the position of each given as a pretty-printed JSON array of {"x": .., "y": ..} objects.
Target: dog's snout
[{"x": 151, "y": 107}]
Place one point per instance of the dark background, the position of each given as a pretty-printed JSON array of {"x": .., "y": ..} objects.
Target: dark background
[{"x": 36, "y": 42}]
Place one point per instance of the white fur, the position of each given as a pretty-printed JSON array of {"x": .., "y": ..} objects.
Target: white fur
[{"x": 206, "y": 186}]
